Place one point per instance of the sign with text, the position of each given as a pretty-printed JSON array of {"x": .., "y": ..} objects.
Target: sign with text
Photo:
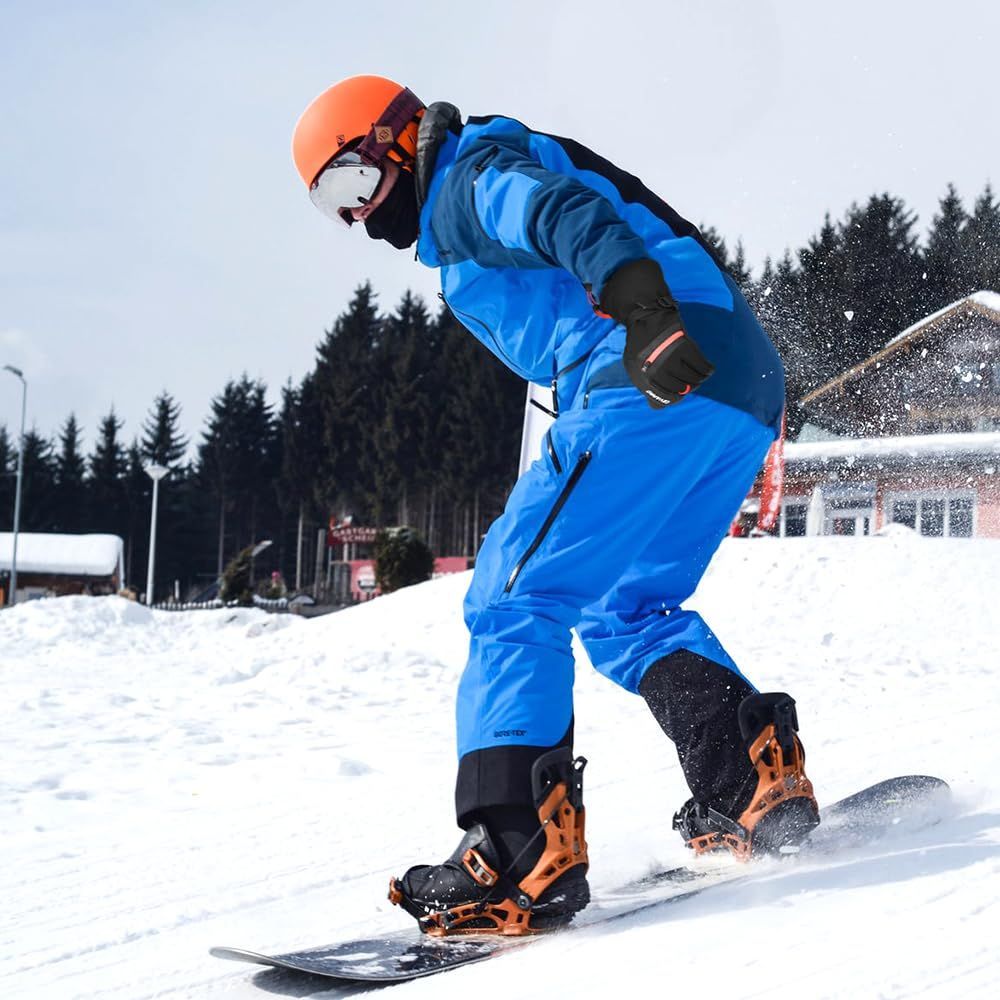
[{"x": 341, "y": 533}]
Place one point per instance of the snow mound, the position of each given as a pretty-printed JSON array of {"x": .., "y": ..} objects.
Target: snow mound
[{"x": 46, "y": 621}]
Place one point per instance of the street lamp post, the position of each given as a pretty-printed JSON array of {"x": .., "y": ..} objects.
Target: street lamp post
[
  {"x": 20, "y": 476},
  {"x": 156, "y": 473}
]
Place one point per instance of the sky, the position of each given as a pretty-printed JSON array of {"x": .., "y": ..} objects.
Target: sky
[{"x": 155, "y": 236}]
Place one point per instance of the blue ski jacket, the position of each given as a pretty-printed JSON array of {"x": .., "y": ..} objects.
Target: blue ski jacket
[{"x": 526, "y": 228}]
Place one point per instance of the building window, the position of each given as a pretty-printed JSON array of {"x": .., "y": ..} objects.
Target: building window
[
  {"x": 793, "y": 519},
  {"x": 932, "y": 517},
  {"x": 960, "y": 517},
  {"x": 935, "y": 514},
  {"x": 904, "y": 512}
]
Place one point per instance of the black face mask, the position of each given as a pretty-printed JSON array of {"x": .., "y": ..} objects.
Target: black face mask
[{"x": 397, "y": 219}]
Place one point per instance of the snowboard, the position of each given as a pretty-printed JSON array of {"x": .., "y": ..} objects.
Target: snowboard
[{"x": 903, "y": 804}]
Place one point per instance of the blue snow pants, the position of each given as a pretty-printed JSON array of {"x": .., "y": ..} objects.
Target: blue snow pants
[{"x": 608, "y": 533}]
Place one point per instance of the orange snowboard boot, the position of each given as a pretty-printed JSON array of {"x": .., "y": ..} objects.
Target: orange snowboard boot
[
  {"x": 471, "y": 894},
  {"x": 775, "y": 809}
]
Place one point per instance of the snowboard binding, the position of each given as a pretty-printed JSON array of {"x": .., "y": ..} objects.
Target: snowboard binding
[
  {"x": 546, "y": 898},
  {"x": 781, "y": 811}
]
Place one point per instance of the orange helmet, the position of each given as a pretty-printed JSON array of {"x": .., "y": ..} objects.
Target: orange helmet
[{"x": 369, "y": 114}]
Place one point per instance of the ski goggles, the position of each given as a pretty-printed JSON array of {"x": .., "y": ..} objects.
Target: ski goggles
[{"x": 346, "y": 182}]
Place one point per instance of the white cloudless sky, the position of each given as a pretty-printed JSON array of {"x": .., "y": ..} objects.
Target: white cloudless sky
[{"x": 154, "y": 234}]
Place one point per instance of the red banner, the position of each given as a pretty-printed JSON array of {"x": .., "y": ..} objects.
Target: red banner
[{"x": 774, "y": 483}]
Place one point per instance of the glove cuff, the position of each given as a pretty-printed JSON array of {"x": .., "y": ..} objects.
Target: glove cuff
[{"x": 637, "y": 284}]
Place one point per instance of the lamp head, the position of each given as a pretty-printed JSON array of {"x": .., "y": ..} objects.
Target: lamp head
[{"x": 155, "y": 472}]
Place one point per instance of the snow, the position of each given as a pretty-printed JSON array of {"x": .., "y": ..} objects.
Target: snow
[
  {"x": 173, "y": 781},
  {"x": 986, "y": 443},
  {"x": 71, "y": 555}
]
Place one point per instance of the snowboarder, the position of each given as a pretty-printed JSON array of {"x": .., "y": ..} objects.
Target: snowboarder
[{"x": 667, "y": 395}]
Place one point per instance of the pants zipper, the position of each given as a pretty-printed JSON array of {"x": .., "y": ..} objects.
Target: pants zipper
[{"x": 574, "y": 478}]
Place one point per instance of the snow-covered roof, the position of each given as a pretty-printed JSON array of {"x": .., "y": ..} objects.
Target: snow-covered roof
[
  {"x": 985, "y": 444},
  {"x": 69, "y": 555},
  {"x": 988, "y": 300},
  {"x": 985, "y": 303}
]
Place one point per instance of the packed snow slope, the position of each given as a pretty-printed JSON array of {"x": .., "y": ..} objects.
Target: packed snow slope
[{"x": 175, "y": 781}]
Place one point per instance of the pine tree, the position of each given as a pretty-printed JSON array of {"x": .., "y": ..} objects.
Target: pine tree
[
  {"x": 981, "y": 243},
  {"x": 946, "y": 266},
  {"x": 400, "y": 437},
  {"x": 715, "y": 240},
  {"x": 106, "y": 480},
  {"x": 826, "y": 309},
  {"x": 881, "y": 275},
  {"x": 776, "y": 300},
  {"x": 8, "y": 473},
  {"x": 219, "y": 458},
  {"x": 402, "y": 559},
  {"x": 70, "y": 470},
  {"x": 346, "y": 381},
  {"x": 38, "y": 489},
  {"x": 237, "y": 459},
  {"x": 162, "y": 442},
  {"x": 138, "y": 499},
  {"x": 739, "y": 269},
  {"x": 479, "y": 433},
  {"x": 300, "y": 426}
]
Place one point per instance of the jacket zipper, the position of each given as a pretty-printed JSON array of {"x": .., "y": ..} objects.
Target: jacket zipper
[
  {"x": 489, "y": 333},
  {"x": 552, "y": 452},
  {"x": 480, "y": 166},
  {"x": 574, "y": 478}
]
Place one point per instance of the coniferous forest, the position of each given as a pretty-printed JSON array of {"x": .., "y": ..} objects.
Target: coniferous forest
[{"x": 405, "y": 419}]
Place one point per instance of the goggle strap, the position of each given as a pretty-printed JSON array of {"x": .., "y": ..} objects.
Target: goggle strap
[{"x": 402, "y": 109}]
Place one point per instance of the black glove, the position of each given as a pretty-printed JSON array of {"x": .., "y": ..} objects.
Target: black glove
[{"x": 661, "y": 359}]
